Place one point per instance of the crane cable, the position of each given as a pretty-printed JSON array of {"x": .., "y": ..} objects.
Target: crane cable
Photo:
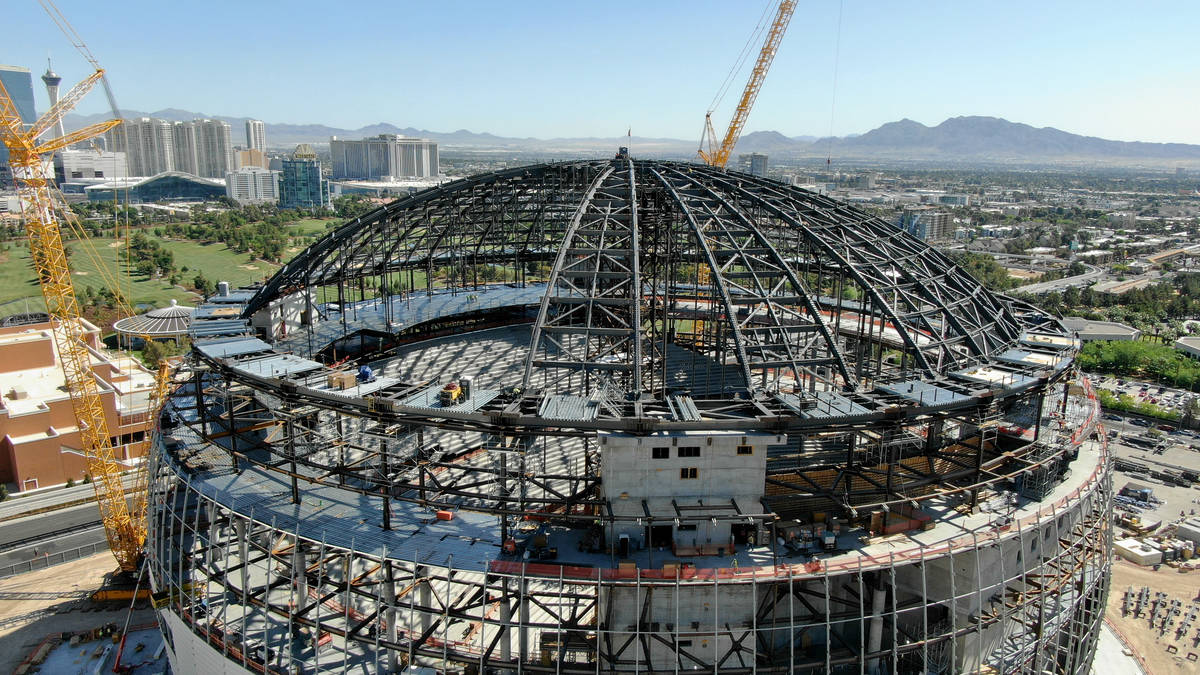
[
  {"x": 837, "y": 51},
  {"x": 741, "y": 59},
  {"x": 76, "y": 41}
]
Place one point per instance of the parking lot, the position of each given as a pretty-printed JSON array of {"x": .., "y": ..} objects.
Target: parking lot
[
  {"x": 1165, "y": 397},
  {"x": 1169, "y": 452}
]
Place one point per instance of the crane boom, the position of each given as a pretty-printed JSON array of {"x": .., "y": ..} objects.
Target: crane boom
[
  {"x": 125, "y": 530},
  {"x": 719, "y": 156}
]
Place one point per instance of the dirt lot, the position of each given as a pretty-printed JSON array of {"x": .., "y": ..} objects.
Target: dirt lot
[
  {"x": 55, "y": 600},
  {"x": 1146, "y": 641}
]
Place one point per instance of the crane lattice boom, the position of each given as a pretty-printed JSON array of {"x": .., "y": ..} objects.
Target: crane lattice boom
[
  {"x": 719, "y": 157},
  {"x": 126, "y": 530}
]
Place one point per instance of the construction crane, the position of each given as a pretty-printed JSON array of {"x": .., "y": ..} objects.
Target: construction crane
[
  {"x": 125, "y": 528},
  {"x": 718, "y": 156}
]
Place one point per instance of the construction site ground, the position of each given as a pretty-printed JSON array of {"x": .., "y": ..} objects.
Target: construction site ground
[
  {"x": 1149, "y": 645},
  {"x": 56, "y": 600}
]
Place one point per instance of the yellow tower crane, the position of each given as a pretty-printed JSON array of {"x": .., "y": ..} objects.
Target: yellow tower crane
[
  {"x": 719, "y": 156},
  {"x": 124, "y": 527}
]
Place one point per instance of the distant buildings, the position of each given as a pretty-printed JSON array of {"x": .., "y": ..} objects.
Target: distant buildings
[
  {"x": 18, "y": 82},
  {"x": 214, "y": 148},
  {"x": 384, "y": 157},
  {"x": 52, "y": 80},
  {"x": 758, "y": 164},
  {"x": 169, "y": 186},
  {"x": 153, "y": 146},
  {"x": 256, "y": 135},
  {"x": 925, "y": 223},
  {"x": 954, "y": 200},
  {"x": 86, "y": 165},
  {"x": 384, "y": 189},
  {"x": 183, "y": 142},
  {"x": 252, "y": 185},
  {"x": 247, "y": 158},
  {"x": 301, "y": 184},
  {"x": 148, "y": 144}
]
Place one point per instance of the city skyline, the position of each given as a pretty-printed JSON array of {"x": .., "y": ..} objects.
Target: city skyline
[{"x": 544, "y": 70}]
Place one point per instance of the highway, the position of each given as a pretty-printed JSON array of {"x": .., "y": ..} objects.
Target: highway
[
  {"x": 1087, "y": 278},
  {"x": 18, "y": 505},
  {"x": 61, "y": 524},
  {"x": 23, "y": 539}
]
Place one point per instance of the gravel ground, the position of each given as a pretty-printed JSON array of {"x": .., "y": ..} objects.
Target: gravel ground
[{"x": 1146, "y": 641}]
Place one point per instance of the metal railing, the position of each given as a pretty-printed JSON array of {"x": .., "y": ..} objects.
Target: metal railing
[{"x": 51, "y": 559}]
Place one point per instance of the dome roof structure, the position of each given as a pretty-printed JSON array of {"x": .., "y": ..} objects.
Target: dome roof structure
[
  {"x": 168, "y": 321},
  {"x": 780, "y": 288}
]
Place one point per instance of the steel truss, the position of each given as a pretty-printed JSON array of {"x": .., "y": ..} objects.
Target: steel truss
[
  {"x": 801, "y": 289},
  {"x": 679, "y": 298},
  {"x": 1026, "y": 598}
]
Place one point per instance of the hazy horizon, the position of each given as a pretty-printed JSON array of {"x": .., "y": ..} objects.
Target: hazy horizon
[{"x": 552, "y": 70}]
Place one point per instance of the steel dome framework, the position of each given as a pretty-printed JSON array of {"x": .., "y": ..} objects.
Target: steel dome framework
[
  {"x": 632, "y": 304},
  {"x": 625, "y": 237},
  {"x": 797, "y": 302}
]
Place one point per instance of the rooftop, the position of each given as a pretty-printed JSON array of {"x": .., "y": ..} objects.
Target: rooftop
[
  {"x": 29, "y": 390},
  {"x": 1086, "y": 327},
  {"x": 171, "y": 320}
]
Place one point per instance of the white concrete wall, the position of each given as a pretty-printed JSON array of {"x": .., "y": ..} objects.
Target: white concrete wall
[
  {"x": 192, "y": 655},
  {"x": 631, "y": 473},
  {"x": 284, "y": 316}
]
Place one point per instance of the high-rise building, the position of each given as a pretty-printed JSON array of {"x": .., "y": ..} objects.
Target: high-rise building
[
  {"x": 18, "y": 82},
  {"x": 925, "y": 223},
  {"x": 758, "y": 164},
  {"x": 148, "y": 144},
  {"x": 183, "y": 140},
  {"x": 252, "y": 185},
  {"x": 246, "y": 158},
  {"x": 52, "y": 80},
  {"x": 256, "y": 135},
  {"x": 302, "y": 186},
  {"x": 384, "y": 157},
  {"x": 214, "y": 148}
]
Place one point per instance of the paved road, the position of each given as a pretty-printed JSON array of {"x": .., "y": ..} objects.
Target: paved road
[
  {"x": 70, "y": 542},
  {"x": 20, "y": 531},
  {"x": 16, "y": 505},
  {"x": 26, "y": 538},
  {"x": 1087, "y": 278}
]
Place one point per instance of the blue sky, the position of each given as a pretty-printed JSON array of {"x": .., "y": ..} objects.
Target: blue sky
[{"x": 1119, "y": 70}]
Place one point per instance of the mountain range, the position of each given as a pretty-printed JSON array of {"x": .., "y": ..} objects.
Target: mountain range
[{"x": 973, "y": 139}]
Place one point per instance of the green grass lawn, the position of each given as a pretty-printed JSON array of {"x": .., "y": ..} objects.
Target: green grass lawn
[
  {"x": 97, "y": 267},
  {"x": 312, "y": 225}
]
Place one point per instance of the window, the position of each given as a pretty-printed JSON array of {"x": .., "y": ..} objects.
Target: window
[
  {"x": 660, "y": 453},
  {"x": 691, "y": 451},
  {"x": 689, "y": 472},
  {"x": 687, "y": 528},
  {"x": 745, "y": 449}
]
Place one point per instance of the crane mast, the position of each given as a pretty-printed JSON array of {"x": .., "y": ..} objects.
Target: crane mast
[
  {"x": 719, "y": 156},
  {"x": 125, "y": 529}
]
